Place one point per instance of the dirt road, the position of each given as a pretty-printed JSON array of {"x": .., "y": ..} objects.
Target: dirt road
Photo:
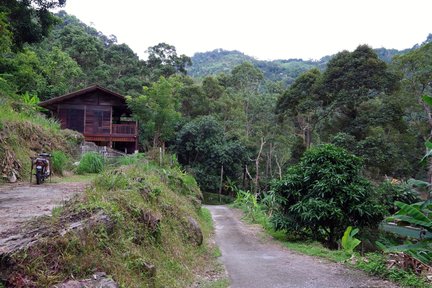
[
  {"x": 21, "y": 202},
  {"x": 256, "y": 261}
]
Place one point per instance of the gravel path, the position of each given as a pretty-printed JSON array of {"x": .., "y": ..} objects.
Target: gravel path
[
  {"x": 253, "y": 260},
  {"x": 21, "y": 202}
]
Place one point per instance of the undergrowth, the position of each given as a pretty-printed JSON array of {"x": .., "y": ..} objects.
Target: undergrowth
[
  {"x": 372, "y": 263},
  {"x": 150, "y": 208}
]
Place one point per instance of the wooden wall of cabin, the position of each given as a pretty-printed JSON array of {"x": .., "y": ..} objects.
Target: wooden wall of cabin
[
  {"x": 90, "y": 113},
  {"x": 97, "y": 120}
]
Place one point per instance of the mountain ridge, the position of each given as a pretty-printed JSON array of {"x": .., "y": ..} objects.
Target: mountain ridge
[{"x": 219, "y": 61}]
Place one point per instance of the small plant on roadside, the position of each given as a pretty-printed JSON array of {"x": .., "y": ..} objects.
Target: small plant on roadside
[
  {"x": 91, "y": 162},
  {"x": 248, "y": 202},
  {"x": 59, "y": 161},
  {"x": 349, "y": 242}
]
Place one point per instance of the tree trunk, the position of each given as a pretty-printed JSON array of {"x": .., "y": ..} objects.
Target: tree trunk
[
  {"x": 257, "y": 160},
  {"x": 279, "y": 167},
  {"x": 221, "y": 183}
]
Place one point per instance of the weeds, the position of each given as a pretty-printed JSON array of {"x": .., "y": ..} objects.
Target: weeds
[
  {"x": 59, "y": 161},
  {"x": 91, "y": 162}
]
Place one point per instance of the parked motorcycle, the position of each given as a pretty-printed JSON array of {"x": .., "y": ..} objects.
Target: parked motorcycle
[{"x": 42, "y": 167}]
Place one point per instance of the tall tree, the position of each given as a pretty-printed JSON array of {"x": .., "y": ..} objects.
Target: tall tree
[
  {"x": 164, "y": 61},
  {"x": 416, "y": 67},
  {"x": 157, "y": 110},
  {"x": 301, "y": 102},
  {"x": 30, "y": 20}
]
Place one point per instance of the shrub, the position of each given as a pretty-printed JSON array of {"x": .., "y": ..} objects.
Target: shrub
[
  {"x": 390, "y": 192},
  {"x": 59, "y": 161},
  {"x": 325, "y": 193},
  {"x": 91, "y": 162}
]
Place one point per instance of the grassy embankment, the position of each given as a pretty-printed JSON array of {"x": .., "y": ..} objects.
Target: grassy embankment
[
  {"x": 23, "y": 133},
  {"x": 148, "y": 243},
  {"x": 373, "y": 263}
]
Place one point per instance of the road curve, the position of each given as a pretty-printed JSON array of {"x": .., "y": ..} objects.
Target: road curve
[{"x": 252, "y": 260}]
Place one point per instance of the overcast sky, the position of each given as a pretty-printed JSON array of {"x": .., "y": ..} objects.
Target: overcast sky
[{"x": 265, "y": 29}]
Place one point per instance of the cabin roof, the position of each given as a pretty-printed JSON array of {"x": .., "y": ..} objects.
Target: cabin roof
[{"x": 59, "y": 99}]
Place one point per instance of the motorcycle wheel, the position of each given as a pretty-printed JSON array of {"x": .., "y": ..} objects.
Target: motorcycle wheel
[{"x": 38, "y": 178}]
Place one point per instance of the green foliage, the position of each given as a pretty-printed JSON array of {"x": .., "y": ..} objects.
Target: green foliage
[
  {"x": 248, "y": 202},
  {"x": 348, "y": 241},
  {"x": 222, "y": 61},
  {"x": 324, "y": 193},
  {"x": 376, "y": 264},
  {"x": 390, "y": 192},
  {"x": 254, "y": 212},
  {"x": 29, "y": 20},
  {"x": 91, "y": 162},
  {"x": 203, "y": 146},
  {"x": 216, "y": 199},
  {"x": 5, "y": 34},
  {"x": 131, "y": 159},
  {"x": 417, "y": 215},
  {"x": 157, "y": 110},
  {"x": 164, "y": 61},
  {"x": 59, "y": 162}
]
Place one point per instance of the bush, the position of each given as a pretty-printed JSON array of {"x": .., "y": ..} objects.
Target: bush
[
  {"x": 91, "y": 162},
  {"x": 325, "y": 193},
  {"x": 391, "y": 192},
  {"x": 59, "y": 161}
]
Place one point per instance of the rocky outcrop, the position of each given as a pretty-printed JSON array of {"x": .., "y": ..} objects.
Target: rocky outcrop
[
  {"x": 98, "y": 280},
  {"x": 195, "y": 232}
]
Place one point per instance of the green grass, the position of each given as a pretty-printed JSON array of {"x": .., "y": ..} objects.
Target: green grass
[
  {"x": 91, "y": 162},
  {"x": 74, "y": 178},
  {"x": 27, "y": 133},
  {"x": 220, "y": 283}
]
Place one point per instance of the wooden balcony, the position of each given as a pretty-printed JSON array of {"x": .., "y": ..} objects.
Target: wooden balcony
[
  {"x": 124, "y": 129},
  {"x": 124, "y": 132}
]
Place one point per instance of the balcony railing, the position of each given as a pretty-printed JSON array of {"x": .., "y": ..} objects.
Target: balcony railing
[{"x": 124, "y": 129}]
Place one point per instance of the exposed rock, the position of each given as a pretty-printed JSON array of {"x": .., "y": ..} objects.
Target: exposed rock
[
  {"x": 150, "y": 220},
  {"x": 12, "y": 177},
  {"x": 98, "y": 280},
  {"x": 28, "y": 238},
  {"x": 195, "y": 234}
]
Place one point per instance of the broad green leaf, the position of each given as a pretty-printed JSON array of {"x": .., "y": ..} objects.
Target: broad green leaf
[
  {"x": 427, "y": 100},
  {"x": 428, "y": 144},
  {"x": 418, "y": 183}
]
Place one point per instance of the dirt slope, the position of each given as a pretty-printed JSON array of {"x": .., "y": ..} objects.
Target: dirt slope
[
  {"x": 256, "y": 261},
  {"x": 21, "y": 202}
]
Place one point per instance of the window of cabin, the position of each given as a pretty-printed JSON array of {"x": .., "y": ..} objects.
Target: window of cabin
[{"x": 72, "y": 118}]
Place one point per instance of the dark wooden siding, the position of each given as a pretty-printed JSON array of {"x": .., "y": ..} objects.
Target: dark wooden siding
[
  {"x": 95, "y": 98},
  {"x": 98, "y": 120}
]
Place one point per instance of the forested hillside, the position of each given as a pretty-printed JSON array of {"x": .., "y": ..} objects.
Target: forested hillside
[
  {"x": 243, "y": 120},
  {"x": 222, "y": 61}
]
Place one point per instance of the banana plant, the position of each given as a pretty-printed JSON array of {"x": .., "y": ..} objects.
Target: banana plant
[
  {"x": 349, "y": 242},
  {"x": 418, "y": 215}
]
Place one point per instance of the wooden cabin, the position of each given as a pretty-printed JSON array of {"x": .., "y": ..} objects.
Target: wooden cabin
[{"x": 101, "y": 115}]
